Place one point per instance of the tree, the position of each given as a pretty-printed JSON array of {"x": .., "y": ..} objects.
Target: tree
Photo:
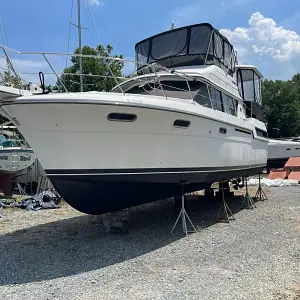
[
  {"x": 92, "y": 66},
  {"x": 9, "y": 79},
  {"x": 282, "y": 106}
]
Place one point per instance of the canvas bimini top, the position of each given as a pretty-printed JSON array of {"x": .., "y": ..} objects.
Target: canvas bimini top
[{"x": 199, "y": 44}]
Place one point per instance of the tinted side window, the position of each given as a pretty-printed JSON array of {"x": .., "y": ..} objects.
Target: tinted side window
[
  {"x": 216, "y": 99},
  {"x": 202, "y": 96},
  {"x": 229, "y": 104},
  {"x": 260, "y": 132}
]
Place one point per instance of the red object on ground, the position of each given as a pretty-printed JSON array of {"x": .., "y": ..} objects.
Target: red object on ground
[
  {"x": 295, "y": 175},
  {"x": 6, "y": 184},
  {"x": 277, "y": 174},
  {"x": 293, "y": 162}
]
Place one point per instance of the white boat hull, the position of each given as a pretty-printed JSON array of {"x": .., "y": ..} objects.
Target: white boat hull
[
  {"x": 99, "y": 165},
  {"x": 279, "y": 151}
]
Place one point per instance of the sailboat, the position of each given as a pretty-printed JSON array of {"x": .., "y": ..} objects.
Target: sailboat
[{"x": 180, "y": 119}]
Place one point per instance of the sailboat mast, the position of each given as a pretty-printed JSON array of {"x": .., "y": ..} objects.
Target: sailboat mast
[{"x": 79, "y": 46}]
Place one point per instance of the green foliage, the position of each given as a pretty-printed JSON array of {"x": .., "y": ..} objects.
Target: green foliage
[
  {"x": 92, "y": 66},
  {"x": 282, "y": 106},
  {"x": 10, "y": 80}
]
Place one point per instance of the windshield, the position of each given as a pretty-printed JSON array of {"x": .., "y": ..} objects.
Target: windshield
[
  {"x": 193, "y": 90},
  {"x": 12, "y": 143}
]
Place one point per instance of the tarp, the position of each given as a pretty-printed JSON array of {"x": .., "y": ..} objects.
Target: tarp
[
  {"x": 43, "y": 200},
  {"x": 273, "y": 183}
]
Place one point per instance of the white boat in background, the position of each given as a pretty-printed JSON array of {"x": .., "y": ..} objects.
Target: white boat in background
[
  {"x": 11, "y": 84},
  {"x": 15, "y": 156},
  {"x": 181, "y": 119},
  {"x": 280, "y": 150},
  {"x": 8, "y": 92}
]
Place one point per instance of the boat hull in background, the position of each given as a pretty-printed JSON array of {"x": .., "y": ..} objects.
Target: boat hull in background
[{"x": 279, "y": 151}]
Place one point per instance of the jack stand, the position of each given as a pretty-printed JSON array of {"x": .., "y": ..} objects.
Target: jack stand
[
  {"x": 260, "y": 194},
  {"x": 183, "y": 214},
  {"x": 21, "y": 190},
  {"x": 248, "y": 202},
  {"x": 224, "y": 214}
]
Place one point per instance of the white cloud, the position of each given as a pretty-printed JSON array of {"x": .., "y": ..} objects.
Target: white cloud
[
  {"x": 264, "y": 43},
  {"x": 95, "y": 2}
]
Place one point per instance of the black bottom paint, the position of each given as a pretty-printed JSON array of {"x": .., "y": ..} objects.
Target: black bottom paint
[
  {"x": 98, "y": 194},
  {"x": 276, "y": 163}
]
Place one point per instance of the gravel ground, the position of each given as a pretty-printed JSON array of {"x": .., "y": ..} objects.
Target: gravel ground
[{"x": 62, "y": 254}]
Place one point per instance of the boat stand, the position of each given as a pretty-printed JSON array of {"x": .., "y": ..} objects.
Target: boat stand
[
  {"x": 21, "y": 190},
  {"x": 183, "y": 214},
  {"x": 260, "y": 194},
  {"x": 248, "y": 202},
  {"x": 224, "y": 214}
]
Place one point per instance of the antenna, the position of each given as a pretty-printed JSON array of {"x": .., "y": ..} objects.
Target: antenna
[
  {"x": 173, "y": 25},
  {"x": 79, "y": 46}
]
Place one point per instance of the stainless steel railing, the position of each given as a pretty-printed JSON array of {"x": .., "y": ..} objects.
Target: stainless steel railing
[{"x": 145, "y": 77}]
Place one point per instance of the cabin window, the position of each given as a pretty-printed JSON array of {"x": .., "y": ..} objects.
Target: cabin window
[
  {"x": 243, "y": 131},
  {"x": 257, "y": 89},
  {"x": 260, "y": 132},
  {"x": 181, "y": 123},
  {"x": 121, "y": 117},
  {"x": 246, "y": 84},
  {"x": 288, "y": 148},
  {"x": 202, "y": 96},
  {"x": 249, "y": 84},
  {"x": 229, "y": 104},
  {"x": 216, "y": 99}
]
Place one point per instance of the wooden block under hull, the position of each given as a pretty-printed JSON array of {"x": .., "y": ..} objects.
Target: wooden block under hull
[
  {"x": 277, "y": 174},
  {"x": 6, "y": 184}
]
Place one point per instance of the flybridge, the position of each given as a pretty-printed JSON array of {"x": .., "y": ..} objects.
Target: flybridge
[{"x": 199, "y": 44}]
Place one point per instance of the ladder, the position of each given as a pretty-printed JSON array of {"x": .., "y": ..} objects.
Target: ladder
[{"x": 15, "y": 161}]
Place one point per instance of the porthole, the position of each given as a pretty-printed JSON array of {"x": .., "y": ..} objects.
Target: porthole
[
  {"x": 121, "y": 117},
  {"x": 223, "y": 130},
  {"x": 297, "y": 148},
  {"x": 288, "y": 148},
  {"x": 181, "y": 123}
]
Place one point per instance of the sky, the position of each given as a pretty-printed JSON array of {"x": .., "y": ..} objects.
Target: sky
[{"x": 266, "y": 33}]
